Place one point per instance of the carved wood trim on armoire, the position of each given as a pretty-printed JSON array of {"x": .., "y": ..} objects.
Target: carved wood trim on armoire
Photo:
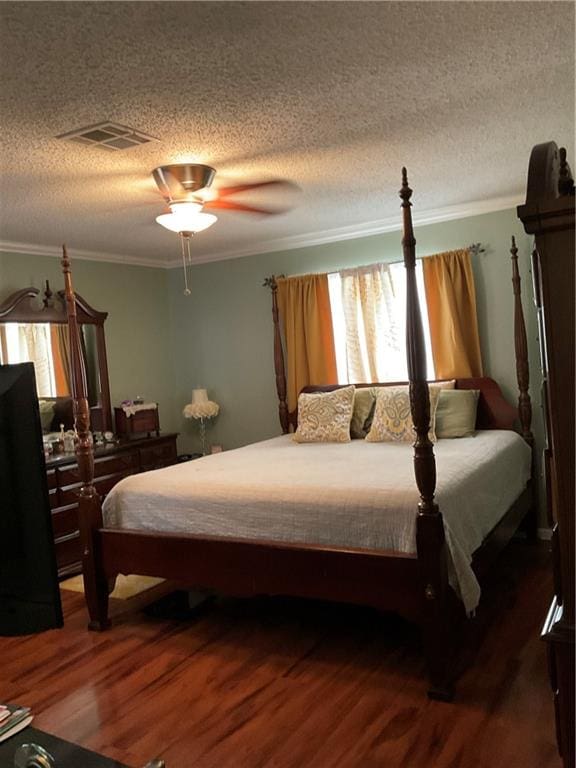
[{"x": 549, "y": 215}]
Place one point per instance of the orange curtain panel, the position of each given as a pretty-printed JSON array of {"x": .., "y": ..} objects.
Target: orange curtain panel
[
  {"x": 451, "y": 300},
  {"x": 304, "y": 305},
  {"x": 60, "y": 358}
]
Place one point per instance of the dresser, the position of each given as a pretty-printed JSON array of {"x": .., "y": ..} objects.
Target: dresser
[
  {"x": 549, "y": 215},
  {"x": 111, "y": 463}
]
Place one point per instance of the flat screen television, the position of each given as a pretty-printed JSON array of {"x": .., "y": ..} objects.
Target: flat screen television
[{"x": 29, "y": 591}]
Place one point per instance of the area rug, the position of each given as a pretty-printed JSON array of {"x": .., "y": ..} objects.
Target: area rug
[{"x": 126, "y": 587}]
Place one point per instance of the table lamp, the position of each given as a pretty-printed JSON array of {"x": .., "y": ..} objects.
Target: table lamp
[{"x": 201, "y": 409}]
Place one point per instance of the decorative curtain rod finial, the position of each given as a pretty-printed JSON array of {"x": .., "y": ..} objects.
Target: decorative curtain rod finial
[{"x": 476, "y": 248}]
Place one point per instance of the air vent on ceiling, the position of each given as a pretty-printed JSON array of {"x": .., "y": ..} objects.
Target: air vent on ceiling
[{"x": 108, "y": 136}]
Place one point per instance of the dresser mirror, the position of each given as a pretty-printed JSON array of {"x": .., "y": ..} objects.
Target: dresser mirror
[{"x": 33, "y": 328}]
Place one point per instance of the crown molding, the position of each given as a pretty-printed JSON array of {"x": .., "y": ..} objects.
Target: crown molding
[
  {"x": 35, "y": 249},
  {"x": 382, "y": 226},
  {"x": 391, "y": 224}
]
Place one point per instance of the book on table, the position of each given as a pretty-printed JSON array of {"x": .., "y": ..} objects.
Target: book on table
[{"x": 13, "y": 718}]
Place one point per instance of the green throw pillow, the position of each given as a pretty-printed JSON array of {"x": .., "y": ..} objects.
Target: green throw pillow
[
  {"x": 456, "y": 412},
  {"x": 46, "y": 413},
  {"x": 364, "y": 401}
]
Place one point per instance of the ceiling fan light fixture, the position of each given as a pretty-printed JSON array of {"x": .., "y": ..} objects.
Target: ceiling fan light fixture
[{"x": 186, "y": 217}]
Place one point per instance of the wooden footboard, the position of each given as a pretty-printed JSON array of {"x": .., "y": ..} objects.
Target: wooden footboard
[{"x": 247, "y": 567}]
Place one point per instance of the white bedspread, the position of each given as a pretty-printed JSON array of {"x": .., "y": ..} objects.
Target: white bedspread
[{"x": 355, "y": 494}]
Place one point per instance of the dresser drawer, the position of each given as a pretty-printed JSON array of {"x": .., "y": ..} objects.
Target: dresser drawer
[
  {"x": 144, "y": 421},
  {"x": 65, "y": 521},
  {"x": 51, "y": 479},
  {"x": 160, "y": 455},
  {"x": 68, "y": 549},
  {"x": 106, "y": 465},
  {"x": 102, "y": 484},
  {"x": 53, "y": 498}
]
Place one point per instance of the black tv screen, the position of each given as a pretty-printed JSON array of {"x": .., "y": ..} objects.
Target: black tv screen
[{"x": 29, "y": 592}]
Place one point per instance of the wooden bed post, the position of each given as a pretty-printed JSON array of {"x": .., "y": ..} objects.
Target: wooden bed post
[
  {"x": 279, "y": 367},
  {"x": 89, "y": 509},
  {"x": 430, "y": 540},
  {"x": 523, "y": 379}
]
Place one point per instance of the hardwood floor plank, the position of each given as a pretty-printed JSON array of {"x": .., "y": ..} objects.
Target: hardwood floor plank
[{"x": 283, "y": 683}]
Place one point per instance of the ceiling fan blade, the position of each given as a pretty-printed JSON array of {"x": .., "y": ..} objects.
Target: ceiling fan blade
[
  {"x": 238, "y": 188},
  {"x": 230, "y": 205}
]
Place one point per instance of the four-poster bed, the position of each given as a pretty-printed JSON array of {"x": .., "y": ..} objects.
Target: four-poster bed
[{"x": 415, "y": 584}]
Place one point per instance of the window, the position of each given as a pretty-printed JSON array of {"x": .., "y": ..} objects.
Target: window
[{"x": 369, "y": 321}]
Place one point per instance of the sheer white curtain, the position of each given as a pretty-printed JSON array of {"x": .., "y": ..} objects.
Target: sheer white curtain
[
  {"x": 31, "y": 341},
  {"x": 369, "y": 316}
]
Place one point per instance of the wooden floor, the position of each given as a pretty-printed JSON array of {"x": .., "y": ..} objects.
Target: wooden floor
[{"x": 291, "y": 684}]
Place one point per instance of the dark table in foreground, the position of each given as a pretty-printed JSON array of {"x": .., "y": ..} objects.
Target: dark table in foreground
[{"x": 65, "y": 754}]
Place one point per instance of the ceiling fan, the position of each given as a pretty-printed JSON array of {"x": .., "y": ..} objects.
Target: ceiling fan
[{"x": 186, "y": 188}]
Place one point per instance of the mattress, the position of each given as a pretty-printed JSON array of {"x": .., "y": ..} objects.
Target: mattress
[{"x": 356, "y": 494}]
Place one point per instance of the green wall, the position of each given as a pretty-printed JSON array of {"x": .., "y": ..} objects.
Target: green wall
[
  {"x": 222, "y": 338},
  {"x": 136, "y": 299}
]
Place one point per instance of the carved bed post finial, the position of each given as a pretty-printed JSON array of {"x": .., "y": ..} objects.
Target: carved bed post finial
[
  {"x": 279, "y": 367},
  {"x": 521, "y": 350}
]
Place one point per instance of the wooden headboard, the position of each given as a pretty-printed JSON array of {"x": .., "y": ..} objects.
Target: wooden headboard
[{"x": 494, "y": 411}]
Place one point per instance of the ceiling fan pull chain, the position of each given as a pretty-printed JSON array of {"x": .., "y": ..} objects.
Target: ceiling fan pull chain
[{"x": 187, "y": 290}]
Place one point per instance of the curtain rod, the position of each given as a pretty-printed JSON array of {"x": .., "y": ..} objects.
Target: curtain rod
[{"x": 474, "y": 248}]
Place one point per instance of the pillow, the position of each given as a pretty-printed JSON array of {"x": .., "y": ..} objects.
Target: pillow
[
  {"x": 449, "y": 384},
  {"x": 431, "y": 385},
  {"x": 392, "y": 421},
  {"x": 46, "y": 408},
  {"x": 364, "y": 402},
  {"x": 456, "y": 413},
  {"x": 324, "y": 417}
]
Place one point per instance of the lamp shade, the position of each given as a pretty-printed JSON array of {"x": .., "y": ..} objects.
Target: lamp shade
[
  {"x": 199, "y": 396},
  {"x": 186, "y": 217},
  {"x": 201, "y": 407}
]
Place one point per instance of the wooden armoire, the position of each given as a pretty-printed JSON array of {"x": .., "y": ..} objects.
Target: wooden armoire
[{"x": 549, "y": 215}]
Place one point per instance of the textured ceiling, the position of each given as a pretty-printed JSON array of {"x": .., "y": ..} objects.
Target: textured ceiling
[{"x": 335, "y": 97}]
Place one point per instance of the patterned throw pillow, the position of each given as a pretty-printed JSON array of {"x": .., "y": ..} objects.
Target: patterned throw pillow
[
  {"x": 324, "y": 417},
  {"x": 392, "y": 422}
]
